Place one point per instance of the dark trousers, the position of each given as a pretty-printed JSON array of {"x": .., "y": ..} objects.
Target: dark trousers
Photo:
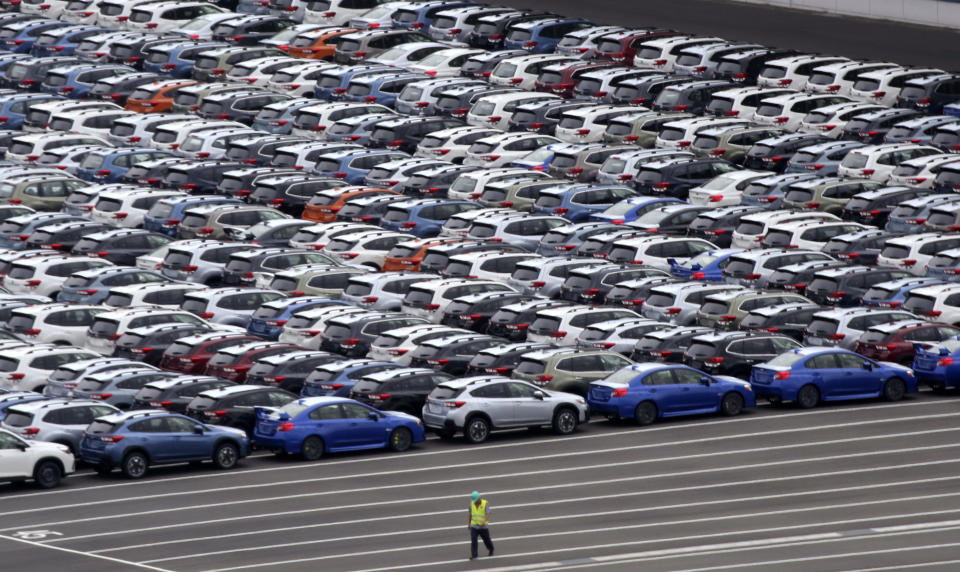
[{"x": 483, "y": 533}]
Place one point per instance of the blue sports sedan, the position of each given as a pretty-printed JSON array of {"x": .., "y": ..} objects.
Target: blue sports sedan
[
  {"x": 313, "y": 426},
  {"x": 647, "y": 391},
  {"x": 938, "y": 366},
  {"x": 810, "y": 375}
]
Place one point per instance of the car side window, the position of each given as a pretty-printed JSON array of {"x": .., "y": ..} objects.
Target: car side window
[
  {"x": 327, "y": 412},
  {"x": 686, "y": 376},
  {"x": 822, "y": 361},
  {"x": 154, "y": 425},
  {"x": 519, "y": 390},
  {"x": 354, "y": 411},
  {"x": 491, "y": 391},
  {"x": 278, "y": 399},
  {"x": 662, "y": 377},
  {"x": 922, "y": 335},
  {"x": 783, "y": 344},
  {"x": 179, "y": 425},
  {"x": 850, "y": 361}
]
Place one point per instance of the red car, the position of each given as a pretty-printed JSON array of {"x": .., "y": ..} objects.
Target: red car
[
  {"x": 191, "y": 354},
  {"x": 560, "y": 78},
  {"x": 894, "y": 341},
  {"x": 233, "y": 363},
  {"x": 621, "y": 47}
]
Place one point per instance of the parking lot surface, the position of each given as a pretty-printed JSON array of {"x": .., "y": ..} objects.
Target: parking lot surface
[{"x": 863, "y": 486}]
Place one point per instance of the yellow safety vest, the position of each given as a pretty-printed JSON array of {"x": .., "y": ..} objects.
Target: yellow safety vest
[{"x": 478, "y": 514}]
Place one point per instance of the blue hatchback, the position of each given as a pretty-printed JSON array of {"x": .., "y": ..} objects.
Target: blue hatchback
[
  {"x": 704, "y": 266},
  {"x": 135, "y": 440},
  {"x": 313, "y": 426},
  {"x": 336, "y": 379},
  {"x": 938, "y": 366},
  {"x": 65, "y": 44},
  {"x": 75, "y": 82},
  {"x": 631, "y": 209},
  {"x": 423, "y": 217},
  {"x": 13, "y": 109},
  {"x": 577, "y": 202},
  {"x": 165, "y": 215},
  {"x": 329, "y": 90},
  {"x": 892, "y": 294},
  {"x": 93, "y": 286},
  {"x": 267, "y": 322},
  {"x": 810, "y": 375},
  {"x": 542, "y": 36},
  {"x": 353, "y": 165},
  {"x": 645, "y": 392},
  {"x": 277, "y": 118},
  {"x": 20, "y": 36},
  {"x": 382, "y": 89},
  {"x": 178, "y": 58}
]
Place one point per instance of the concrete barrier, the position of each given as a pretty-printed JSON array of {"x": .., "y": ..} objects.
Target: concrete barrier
[{"x": 940, "y": 13}]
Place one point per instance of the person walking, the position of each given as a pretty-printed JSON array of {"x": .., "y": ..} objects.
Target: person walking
[{"x": 479, "y": 520}]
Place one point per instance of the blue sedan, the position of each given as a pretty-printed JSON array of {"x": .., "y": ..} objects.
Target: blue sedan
[
  {"x": 810, "y": 375},
  {"x": 938, "y": 366},
  {"x": 316, "y": 425},
  {"x": 647, "y": 391}
]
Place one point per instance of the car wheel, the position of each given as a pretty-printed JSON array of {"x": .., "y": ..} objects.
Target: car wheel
[
  {"x": 47, "y": 474},
  {"x": 477, "y": 430},
  {"x": 732, "y": 404},
  {"x": 401, "y": 439},
  {"x": 565, "y": 421},
  {"x": 645, "y": 413},
  {"x": 134, "y": 465},
  {"x": 894, "y": 389},
  {"x": 226, "y": 455},
  {"x": 808, "y": 396},
  {"x": 312, "y": 448}
]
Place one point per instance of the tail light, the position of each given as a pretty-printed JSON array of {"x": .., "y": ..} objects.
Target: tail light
[
  {"x": 716, "y": 198},
  {"x": 454, "y": 404},
  {"x": 101, "y": 395},
  {"x": 836, "y": 337},
  {"x": 189, "y": 268},
  {"x": 119, "y": 216},
  {"x": 369, "y": 300},
  {"x": 114, "y": 337},
  {"x": 942, "y": 362},
  {"x": 713, "y": 362},
  {"x": 431, "y": 306},
  {"x": 285, "y": 426},
  {"x": 350, "y": 343},
  {"x": 88, "y": 292},
  {"x": 560, "y": 210},
  {"x": 672, "y": 311},
  {"x": 603, "y": 345},
  {"x": 538, "y": 284},
  {"x": 590, "y": 292},
  {"x": 727, "y": 319},
  {"x": 161, "y": 403},
  {"x": 836, "y": 296},
  {"x": 397, "y": 353},
  {"x": 558, "y": 334},
  {"x": 698, "y": 276},
  {"x": 679, "y": 108},
  {"x": 66, "y": 89},
  {"x": 934, "y": 313},
  {"x": 619, "y": 392},
  {"x": 782, "y": 375},
  {"x": 517, "y": 326},
  {"x": 206, "y": 315},
  {"x": 276, "y": 323}
]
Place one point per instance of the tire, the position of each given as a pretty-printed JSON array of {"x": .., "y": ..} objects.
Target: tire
[
  {"x": 401, "y": 439},
  {"x": 645, "y": 413},
  {"x": 312, "y": 448},
  {"x": 476, "y": 430},
  {"x": 226, "y": 455},
  {"x": 731, "y": 405},
  {"x": 565, "y": 421},
  {"x": 894, "y": 389},
  {"x": 134, "y": 465},
  {"x": 47, "y": 474},
  {"x": 808, "y": 397}
]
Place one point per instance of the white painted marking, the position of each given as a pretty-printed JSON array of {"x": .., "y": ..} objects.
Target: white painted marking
[
  {"x": 528, "y": 459},
  {"x": 35, "y": 534},
  {"x": 537, "y": 442},
  {"x": 78, "y": 552}
]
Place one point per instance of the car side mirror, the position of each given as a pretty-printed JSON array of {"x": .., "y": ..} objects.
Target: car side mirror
[
  {"x": 23, "y": 446},
  {"x": 867, "y": 365},
  {"x": 198, "y": 429},
  {"x": 705, "y": 381},
  {"x": 538, "y": 395},
  {"x": 373, "y": 416}
]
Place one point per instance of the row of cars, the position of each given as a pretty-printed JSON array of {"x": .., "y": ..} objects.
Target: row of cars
[{"x": 471, "y": 219}]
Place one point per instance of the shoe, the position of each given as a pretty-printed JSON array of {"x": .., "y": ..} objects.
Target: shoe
[
  {"x": 473, "y": 558},
  {"x": 491, "y": 553}
]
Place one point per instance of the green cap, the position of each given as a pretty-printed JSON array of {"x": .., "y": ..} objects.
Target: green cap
[{"x": 474, "y": 496}]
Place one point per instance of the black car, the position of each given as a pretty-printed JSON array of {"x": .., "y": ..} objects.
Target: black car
[
  {"x": 846, "y": 286},
  {"x": 542, "y": 116},
  {"x": 774, "y": 153},
  {"x": 490, "y": 31},
  {"x": 240, "y": 182},
  {"x": 120, "y": 246},
  {"x": 666, "y": 345},
  {"x": 874, "y": 207},
  {"x": 473, "y": 311},
  {"x": 233, "y": 406},
  {"x": 501, "y": 360},
  {"x": 148, "y": 344},
  {"x": 735, "y": 353},
  {"x": 632, "y": 293},
  {"x": 929, "y": 94},
  {"x": 63, "y": 236},
  {"x": 240, "y": 105},
  {"x": 289, "y": 193},
  {"x": 288, "y": 371},
  {"x": 117, "y": 89},
  {"x": 643, "y": 90},
  {"x": 174, "y": 394},
  {"x": 692, "y": 96},
  {"x": 436, "y": 258},
  {"x": 151, "y": 173},
  {"x": 259, "y": 150},
  {"x": 599, "y": 245},
  {"x": 717, "y": 225},
  {"x": 197, "y": 177},
  {"x": 785, "y": 319},
  {"x": 456, "y": 101},
  {"x": 321, "y": 380},
  {"x": 675, "y": 178},
  {"x": 672, "y": 219},
  {"x": 351, "y": 335},
  {"x": 368, "y": 209},
  {"x": 434, "y": 182},
  {"x": 133, "y": 49},
  {"x": 859, "y": 247},
  {"x": 511, "y": 321},
  {"x": 871, "y": 128},
  {"x": 452, "y": 354},
  {"x": 399, "y": 389},
  {"x": 242, "y": 267},
  {"x": 591, "y": 284},
  {"x": 248, "y": 30},
  {"x": 744, "y": 67},
  {"x": 795, "y": 277},
  {"x": 406, "y": 133}
]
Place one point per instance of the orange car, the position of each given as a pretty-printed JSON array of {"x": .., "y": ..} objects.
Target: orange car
[
  {"x": 408, "y": 254},
  {"x": 325, "y": 205},
  {"x": 317, "y": 44},
  {"x": 156, "y": 97}
]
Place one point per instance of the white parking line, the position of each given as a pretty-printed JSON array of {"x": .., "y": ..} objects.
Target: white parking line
[
  {"x": 700, "y": 550},
  {"x": 97, "y": 556},
  {"x": 527, "y": 459},
  {"x": 507, "y": 507},
  {"x": 578, "y": 484},
  {"x": 537, "y": 442}
]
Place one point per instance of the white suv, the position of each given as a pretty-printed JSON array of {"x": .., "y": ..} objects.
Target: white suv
[
  {"x": 26, "y": 368},
  {"x": 109, "y": 326},
  {"x": 915, "y": 251},
  {"x": 46, "y": 275},
  {"x": 45, "y": 463},
  {"x": 59, "y": 324},
  {"x": 430, "y": 299},
  {"x": 877, "y": 162}
]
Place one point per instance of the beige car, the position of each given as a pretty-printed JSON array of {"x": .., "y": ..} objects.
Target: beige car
[
  {"x": 324, "y": 280},
  {"x": 640, "y": 129},
  {"x": 726, "y": 309},
  {"x": 568, "y": 369},
  {"x": 517, "y": 195},
  {"x": 222, "y": 221},
  {"x": 828, "y": 194}
]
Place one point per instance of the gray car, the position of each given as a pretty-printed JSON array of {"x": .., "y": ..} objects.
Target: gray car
[
  {"x": 478, "y": 405},
  {"x": 56, "y": 420}
]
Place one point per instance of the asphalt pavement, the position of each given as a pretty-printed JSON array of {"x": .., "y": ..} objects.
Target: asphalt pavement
[
  {"x": 858, "y": 38},
  {"x": 858, "y": 486}
]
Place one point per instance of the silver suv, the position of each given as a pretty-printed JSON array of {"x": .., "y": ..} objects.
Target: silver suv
[
  {"x": 478, "y": 405},
  {"x": 55, "y": 420}
]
